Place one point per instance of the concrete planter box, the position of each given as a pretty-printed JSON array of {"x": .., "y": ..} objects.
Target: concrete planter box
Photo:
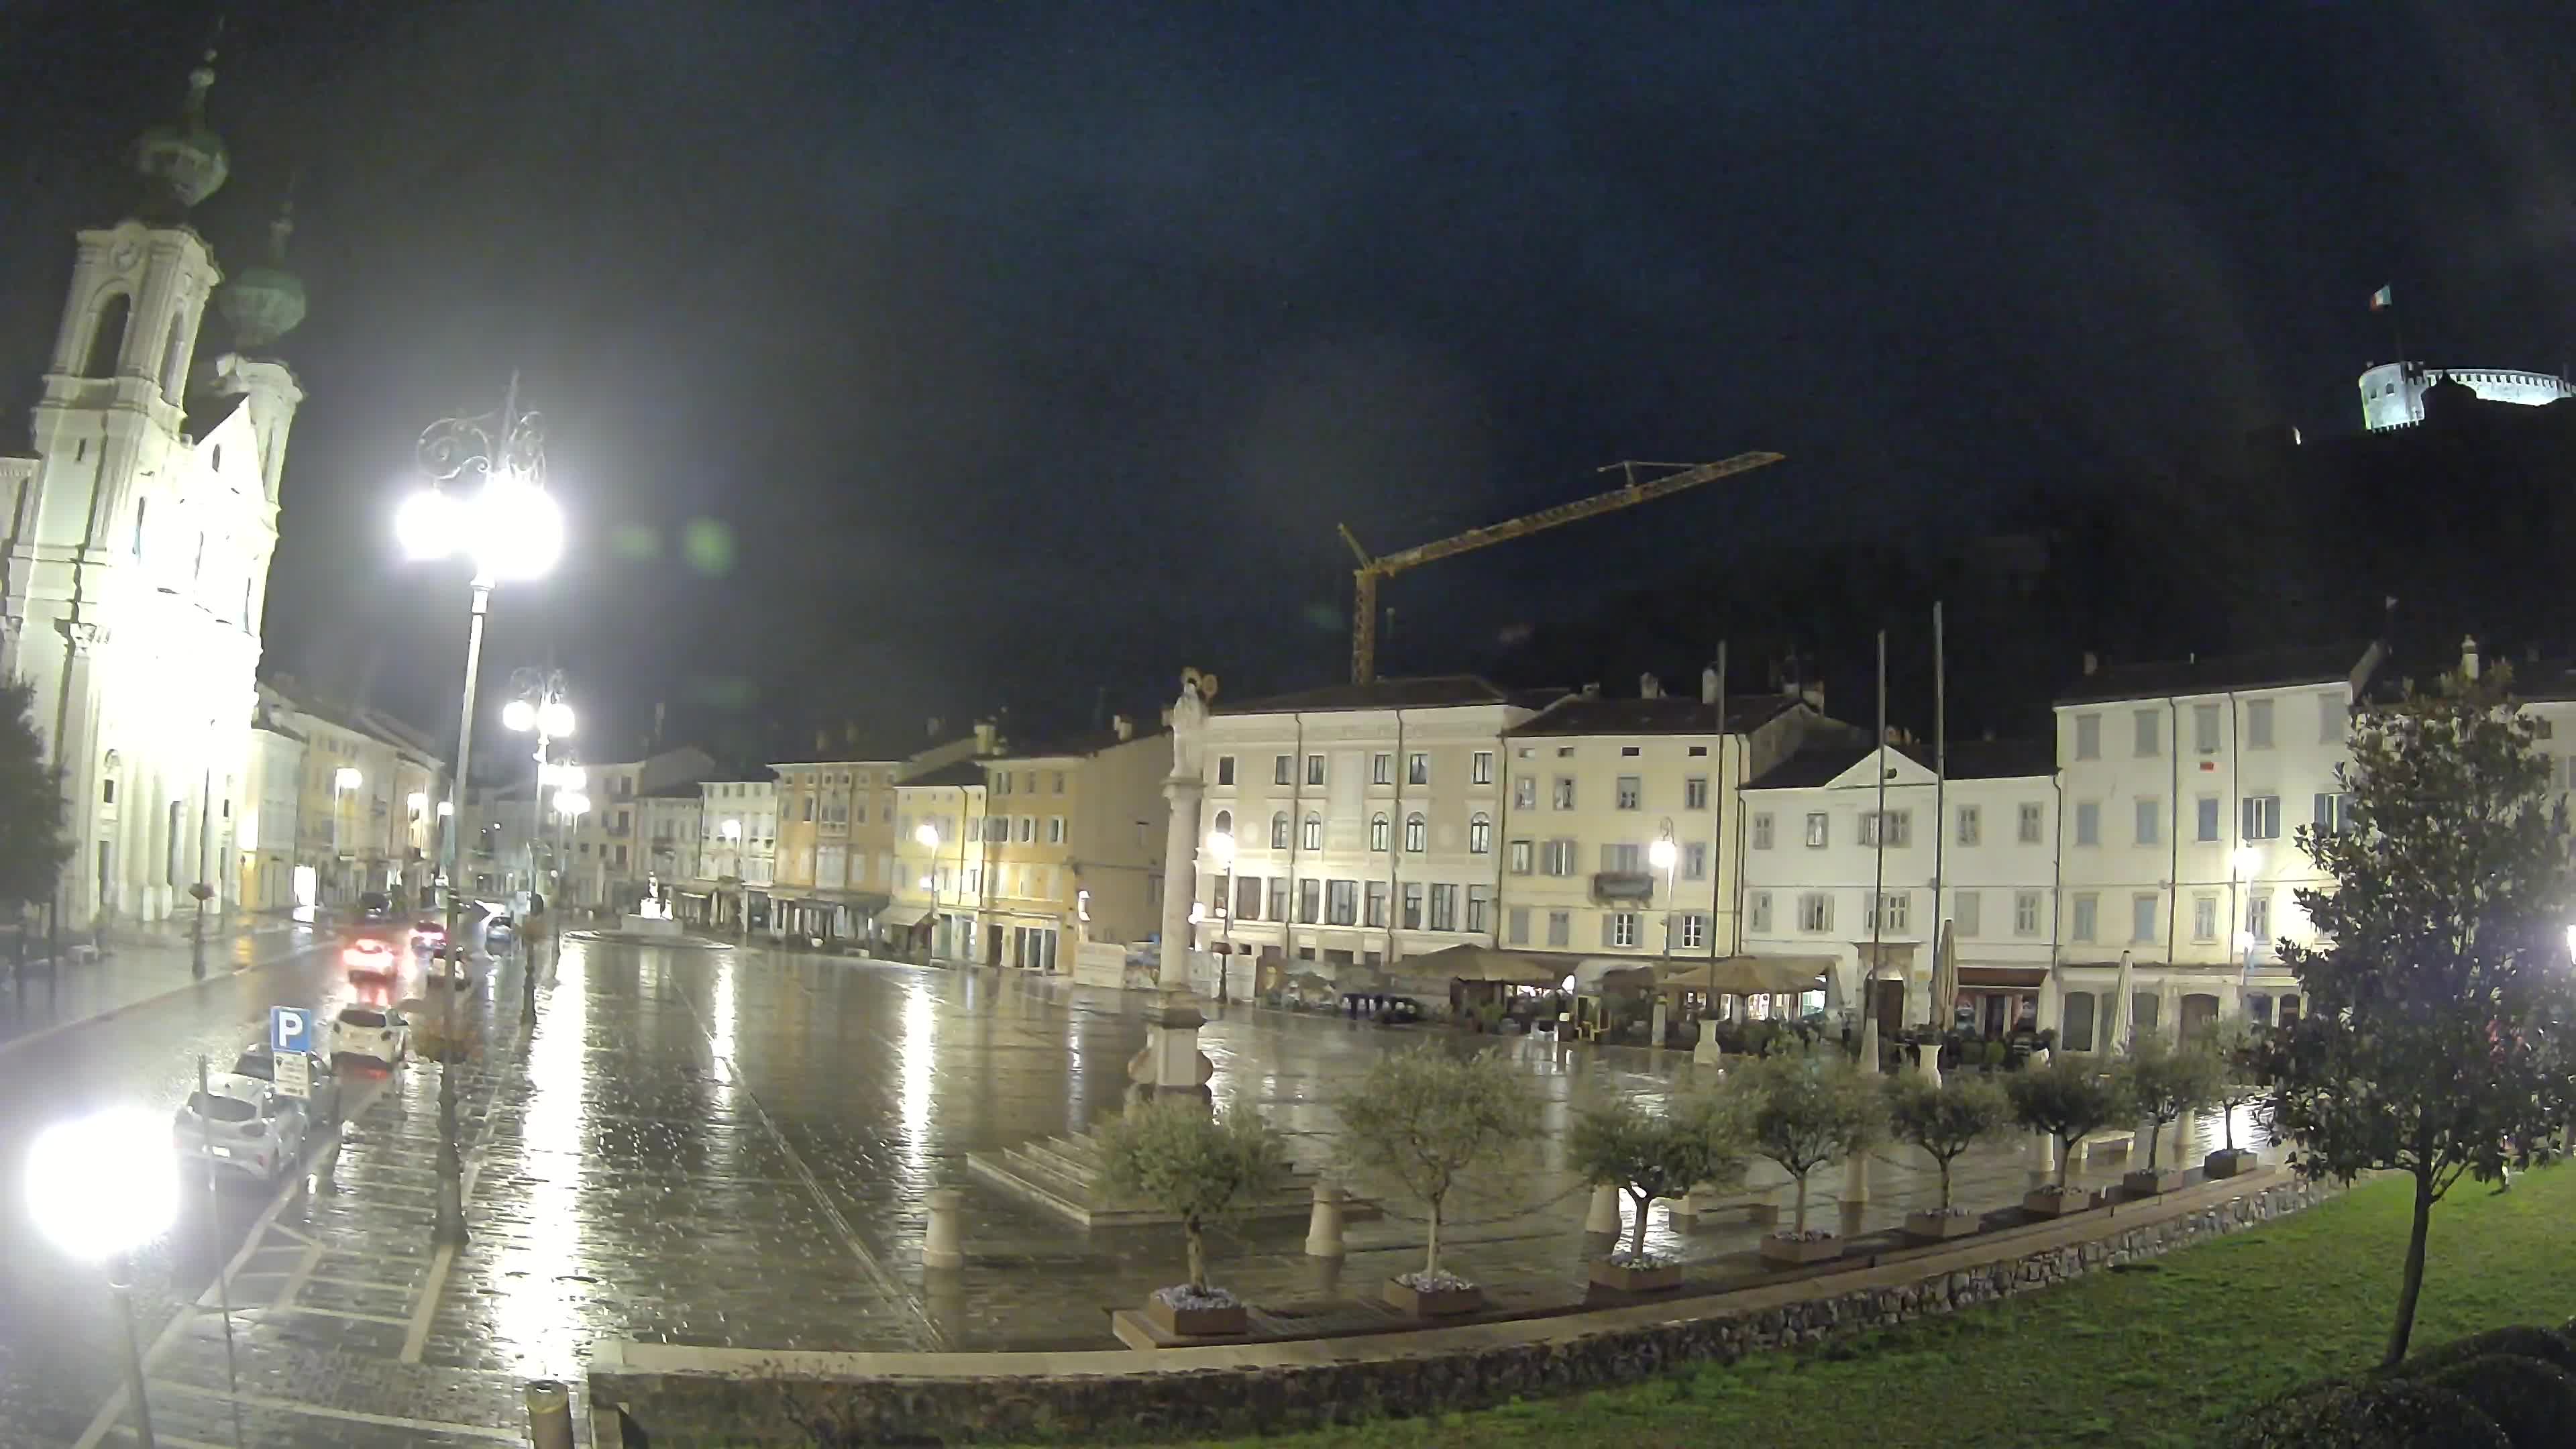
[
  {"x": 1621, "y": 1278},
  {"x": 1940, "y": 1227},
  {"x": 1198, "y": 1322},
  {"x": 2051, "y": 1205},
  {"x": 2147, "y": 1183},
  {"x": 2229, "y": 1162},
  {"x": 1437, "y": 1303},
  {"x": 1801, "y": 1250}
]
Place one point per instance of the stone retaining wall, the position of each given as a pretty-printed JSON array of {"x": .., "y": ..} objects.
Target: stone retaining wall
[{"x": 744, "y": 1399}]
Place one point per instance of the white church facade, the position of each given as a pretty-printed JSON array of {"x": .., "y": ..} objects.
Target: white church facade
[{"x": 135, "y": 565}]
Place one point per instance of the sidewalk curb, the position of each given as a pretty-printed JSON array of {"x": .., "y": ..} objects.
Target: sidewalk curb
[{"x": 184, "y": 987}]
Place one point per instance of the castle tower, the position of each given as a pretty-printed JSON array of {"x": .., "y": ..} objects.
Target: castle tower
[{"x": 137, "y": 547}]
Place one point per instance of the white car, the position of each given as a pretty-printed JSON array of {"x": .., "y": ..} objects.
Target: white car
[
  {"x": 240, "y": 1124},
  {"x": 375, "y": 1033}
]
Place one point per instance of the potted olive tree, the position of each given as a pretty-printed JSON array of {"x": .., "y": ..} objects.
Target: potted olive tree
[
  {"x": 1945, "y": 1121},
  {"x": 2065, "y": 1099},
  {"x": 1809, "y": 1108},
  {"x": 1697, "y": 1141},
  {"x": 2166, "y": 1084},
  {"x": 1200, "y": 1166},
  {"x": 2234, "y": 1045},
  {"x": 1423, "y": 1120}
]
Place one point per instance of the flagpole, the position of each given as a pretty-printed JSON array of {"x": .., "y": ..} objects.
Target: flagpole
[
  {"x": 1878, "y": 830},
  {"x": 1940, "y": 783}
]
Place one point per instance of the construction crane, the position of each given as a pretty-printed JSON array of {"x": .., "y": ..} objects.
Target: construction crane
[{"x": 1373, "y": 571}]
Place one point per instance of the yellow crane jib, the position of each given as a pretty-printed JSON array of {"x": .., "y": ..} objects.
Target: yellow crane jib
[{"x": 1373, "y": 570}]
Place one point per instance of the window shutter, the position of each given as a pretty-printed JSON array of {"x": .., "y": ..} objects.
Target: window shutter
[{"x": 1605, "y": 928}]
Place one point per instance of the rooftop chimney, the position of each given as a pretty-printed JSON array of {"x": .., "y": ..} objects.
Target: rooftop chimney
[
  {"x": 1649, "y": 687},
  {"x": 2468, "y": 656},
  {"x": 2092, "y": 663},
  {"x": 1708, "y": 685},
  {"x": 935, "y": 722},
  {"x": 1592, "y": 691},
  {"x": 984, "y": 733},
  {"x": 1122, "y": 726}
]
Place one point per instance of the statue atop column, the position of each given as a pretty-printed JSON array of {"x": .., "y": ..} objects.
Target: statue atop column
[{"x": 1189, "y": 724}]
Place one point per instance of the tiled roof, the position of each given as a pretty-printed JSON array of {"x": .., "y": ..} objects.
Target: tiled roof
[
  {"x": 1966, "y": 760},
  {"x": 2217, "y": 673},
  {"x": 1080, "y": 746},
  {"x": 950, "y": 775},
  {"x": 1665, "y": 715},
  {"x": 1430, "y": 692}
]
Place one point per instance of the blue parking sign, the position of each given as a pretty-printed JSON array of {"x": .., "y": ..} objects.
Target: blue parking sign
[{"x": 290, "y": 1029}]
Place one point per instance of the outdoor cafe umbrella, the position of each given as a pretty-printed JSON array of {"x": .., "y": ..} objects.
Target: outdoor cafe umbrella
[
  {"x": 1945, "y": 978},
  {"x": 1469, "y": 962},
  {"x": 2116, "y": 1038},
  {"x": 1744, "y": 975}
]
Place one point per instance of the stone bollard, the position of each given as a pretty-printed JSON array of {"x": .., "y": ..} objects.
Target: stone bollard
[
  {"x": 1854, "y": 1203},
  {"x": 1708, "y": 1053},
  {"x": 1603, "y": 1216},
  {"x": 2043, "y": 1155},
  {"x": 549, "y": 1415},
  {"x": 942, "y": 1245},
  {"x": 1324, "y": 1225}
]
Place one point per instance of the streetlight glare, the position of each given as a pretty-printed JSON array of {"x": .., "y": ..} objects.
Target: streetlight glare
[
  {"x": 927, "y": 835},
  {"x": 518, "y": 530},
  {"x": 556, "y": 717},
  {"x": 732, "y": 830},
  {"x": 446, "y": 807},
  {"x": 418, "y": 802},
  {"x": 1220, "y": 847},
  {"x": 346, "y": 778},
  {"x": 427, "y": 525},
  {"x": 571, "y": 802},
  {"x": 518, "y": 716},
  {"x": 104, "y": 1184},
  {"x": 1662, "y": 854}
]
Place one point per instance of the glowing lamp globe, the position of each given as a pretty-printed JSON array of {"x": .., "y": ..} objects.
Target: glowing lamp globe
[
  {"x": 346, "y": 778},
  {"x": 1220, "y": 848},
  {"x": 928, "y": 835},
  {"x": 511, "y": 529},
  {"x": 1662, "y": 854},
  {"x": 103, "y": 1184},
  {"x": 518, "y": 716},
  {"x": 572, "y": 802},
  {"x": 556, "y": 717}
]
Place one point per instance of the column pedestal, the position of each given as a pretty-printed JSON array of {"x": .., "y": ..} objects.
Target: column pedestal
[
  {"x": 1171, "y": 1060},
  {"x": 1708, "y": 1053}
]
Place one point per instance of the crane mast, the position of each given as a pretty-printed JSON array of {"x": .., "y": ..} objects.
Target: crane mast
[{"x": 1374, "y": 570}]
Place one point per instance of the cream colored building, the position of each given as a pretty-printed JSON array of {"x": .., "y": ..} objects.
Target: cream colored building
[
  {"x": 939, "y": 854},
  {"x": 1368, "y": 822},
  {"x": 1981, "y": 841},
  {"x": 366, "y": 807},
  {"x": 1597, "y": 785}
]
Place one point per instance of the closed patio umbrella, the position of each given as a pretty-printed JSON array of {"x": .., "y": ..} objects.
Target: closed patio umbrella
[
  {"x": 2116, "y": 1038},
  {"x": 1945, "y": 978}
]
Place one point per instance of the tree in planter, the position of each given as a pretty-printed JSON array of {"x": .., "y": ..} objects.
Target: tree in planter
[
  {"x": 1198, "y": 1165},
  {"x": 1424, "y": 1118},
  {"x": 2166, "y": 1084},
  {"x": 1646, "y": 1154},
  {"x": 1810, "y": 1108},
  {"x": 1945, "y": 1121},
  {"x": 2066, "y": 1099},
  {"x": 2439, "y": 996},
  {"x": 32, "y": 844},
  {"x": 2235, "y": 1050}
]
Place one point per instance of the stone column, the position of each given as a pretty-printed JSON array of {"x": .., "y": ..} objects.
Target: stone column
[
  {"x": 1602, "y": 1218},
  {"x": 942, "y": 1239},
  {"x": 1170, "y": 1061},
  {"x": 1855, "y": 1195},
  {"x": 1324, "y": 1225},
  {"x": 1708, "y": 1053}
]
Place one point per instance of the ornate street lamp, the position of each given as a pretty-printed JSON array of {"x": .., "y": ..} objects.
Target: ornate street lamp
[
  {"x": 537, "y": 704},
  {"x": 99, "y": 1188},
  {"x": 486, "y": 502},
  {"x": 1220, "y": 849}
]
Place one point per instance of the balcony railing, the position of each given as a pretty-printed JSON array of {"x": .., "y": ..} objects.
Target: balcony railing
[{"x": 1623, "y": 885}]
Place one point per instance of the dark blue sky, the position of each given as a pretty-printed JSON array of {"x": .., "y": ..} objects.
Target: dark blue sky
[{"x": 1026, "y": 350}]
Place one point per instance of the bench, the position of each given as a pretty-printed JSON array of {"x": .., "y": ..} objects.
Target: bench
[{"x": 1760, "y": 1204}]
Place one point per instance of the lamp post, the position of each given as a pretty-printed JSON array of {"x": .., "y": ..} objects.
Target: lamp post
[
  {"x": 537, "y": 703},
  {"x": 100, "y": 1187},
  {"x": 508, "y": 528},
  {"x": 344, "y": 781},
  {"x": 731, "y": 832},
  {"x": 1220, "y": 849},
  {"x": 926, "y": 835}
]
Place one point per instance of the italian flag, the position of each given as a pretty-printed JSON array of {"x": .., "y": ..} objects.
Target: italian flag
[{"x": 2382, "y": 300}]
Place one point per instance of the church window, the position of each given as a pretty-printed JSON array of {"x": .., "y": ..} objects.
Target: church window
[
  {"x": 107, "y": 336},
  {"x": 141, "y": 506},
  {"x": 107, "y": 792}
]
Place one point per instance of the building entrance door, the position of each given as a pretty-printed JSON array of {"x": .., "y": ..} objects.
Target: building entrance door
[{"x": 1887, "y": 1003}]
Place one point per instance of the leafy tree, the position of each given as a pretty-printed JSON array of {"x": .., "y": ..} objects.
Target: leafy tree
[
  {"x": 2167, "y": 1083},
  {"x": 1198, "y": 1165},
  {"x": 1647, "y": 1154},
  {"x": 32, "y": 844},
  {"x": 1425, "y": 1117},
  {"x": 2065, "y": 1099},
  {"x": 1810, "y": 1108},
  {"x": 1945, "y": 1121},
  {"x": 2235, "y": 1050},
  {"x": 2439, "y": 993}
]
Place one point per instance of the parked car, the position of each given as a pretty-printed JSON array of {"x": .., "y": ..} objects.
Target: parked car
[
  {"x": 371, "y": 958},
  {"x": 321, "y": 1102},
  {"x": 500, "y": 931},
  {"x": 374, "y": 1033},
  {"x": 375, "y": 906},
  {"x": 428, "y": 935},
  {"x": 239, "y": 1125}
]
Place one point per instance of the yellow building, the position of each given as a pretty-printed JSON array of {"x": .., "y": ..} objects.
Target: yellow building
[{"x": 838, "y": 860}]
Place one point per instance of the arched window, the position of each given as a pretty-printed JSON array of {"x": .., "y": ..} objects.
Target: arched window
[
  {"x": 1480, "y": 834},
  {"x": 174, "y": 359},
  {"x": 1379, "y": 831},
  {"x": 1225, "y": 822},
  {"x": 107, "y": 336},
  {"x": 1417, "y": 833},
  {"x": 1279, "y": 831},
  {"x": 1314, "y": 833}
]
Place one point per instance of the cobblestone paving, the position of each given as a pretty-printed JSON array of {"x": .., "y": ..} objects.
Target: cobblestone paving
[{"x": 732, "y": 1147}]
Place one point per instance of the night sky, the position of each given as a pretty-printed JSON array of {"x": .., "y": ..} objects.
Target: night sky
[{"x": 932, "y": 358}]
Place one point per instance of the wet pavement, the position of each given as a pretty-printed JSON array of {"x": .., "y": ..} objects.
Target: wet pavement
[{"x": 731, "y": 1147}]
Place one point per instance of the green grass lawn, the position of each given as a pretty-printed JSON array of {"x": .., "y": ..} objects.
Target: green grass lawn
[{"x": 2149, "y": 1356}]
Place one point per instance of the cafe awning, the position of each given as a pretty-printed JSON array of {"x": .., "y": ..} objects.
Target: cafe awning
[
  {"x": 1471, "y": 962},
  {"x": 1746, "y": 975},
  {"x": 902, "y": 916}
]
